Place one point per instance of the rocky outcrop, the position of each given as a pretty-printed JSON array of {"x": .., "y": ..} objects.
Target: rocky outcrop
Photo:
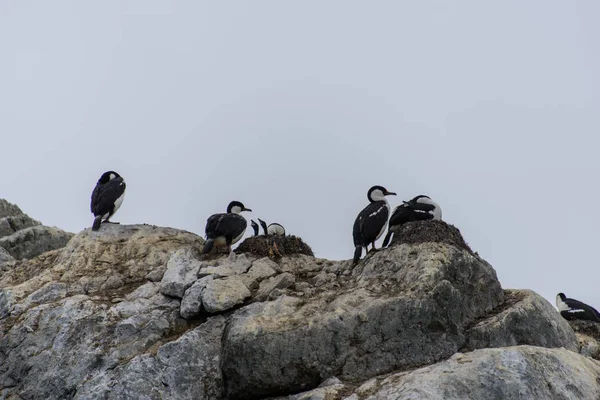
[
  {"x": 401, "y": 308},
  {"x": 23, "y": 237},
  {"x": 87, "y": 309},
  {"x": 135, "y": 312}
]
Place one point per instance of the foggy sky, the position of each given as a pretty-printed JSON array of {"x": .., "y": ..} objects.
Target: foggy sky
[{"x": 297, "y": 108}]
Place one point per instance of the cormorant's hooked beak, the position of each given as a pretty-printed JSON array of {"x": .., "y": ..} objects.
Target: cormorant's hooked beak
[
  {"x": 246, "y": 209},
  {"x": 390, "y": 193}
]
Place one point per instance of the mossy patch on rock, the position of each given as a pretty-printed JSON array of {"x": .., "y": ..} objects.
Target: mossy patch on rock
[
  {"x": 430, "y": 231},
  {"x": 274, "y": 246}
]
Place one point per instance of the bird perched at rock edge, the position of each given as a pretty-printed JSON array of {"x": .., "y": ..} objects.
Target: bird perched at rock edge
[
  {"x": 420, "y": 208},
  {"x": 254, "y": 227},
  {"x": 225, "y": 229},
  {"x": 276, "y": 229},
  {"x": 263, "y": 224},
  {"x": 571, "y": 309},
  {"x": 107, "y": 197},
  {"x": 371, "y": 221}
]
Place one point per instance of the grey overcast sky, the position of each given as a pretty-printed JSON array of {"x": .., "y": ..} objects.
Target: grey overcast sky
[{"x": 297, "y": 108}]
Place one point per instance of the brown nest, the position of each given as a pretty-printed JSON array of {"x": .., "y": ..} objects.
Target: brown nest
[
  {"x": 274, "y": 246},
  {"x": 589, "y": 328},
  {"x": 430, "y": 231}
]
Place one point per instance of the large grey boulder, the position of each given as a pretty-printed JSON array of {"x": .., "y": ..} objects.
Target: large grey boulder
[
  {"x": 516, "y": 373},
  {"x": 403, "y": 307},
  {"x": 33, "y": 241},
  {"x": 530, "y": 319},
  {"x": 182, "y": 272},
  {"x": 222, "y": 294}
]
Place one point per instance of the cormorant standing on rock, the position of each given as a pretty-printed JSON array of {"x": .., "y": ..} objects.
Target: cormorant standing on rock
[
  {"x": 371, "y": 221},
  {"x": 107, "y": 197},
  {"x": 225, "y": 229}
]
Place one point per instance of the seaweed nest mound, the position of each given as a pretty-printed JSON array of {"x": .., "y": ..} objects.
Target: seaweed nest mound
[
  {"x": 588, "y": 328},
  {"x": 274, "y": 246},
  {"x": 430, "y": 231}
]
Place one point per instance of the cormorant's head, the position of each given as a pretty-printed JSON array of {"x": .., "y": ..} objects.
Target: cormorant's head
[
  {"x": 107, "y": 176},
  {"x": 264, "y": 226},
  {"x": 561, "y": 303},
  {"x": 254, "y": 227},
  {"x": 377, "y": 193},
  {"x": 236, "y": 207}
]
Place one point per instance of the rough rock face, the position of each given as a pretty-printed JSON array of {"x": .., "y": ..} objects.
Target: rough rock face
[
  {"x": 87, "y": 309},
  {"x": 23, "y": 237},
  {"x": 522, "y": 372},
  {"x": 530, "y": 319},
  {"x": 9, "y": 210},
  {"x": 134, "y": 312}
]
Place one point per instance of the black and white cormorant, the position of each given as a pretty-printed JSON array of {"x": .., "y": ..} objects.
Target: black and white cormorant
[
  {"x": 276, "y": 229},
  {"x": 107, "y": 197},
  {"x": 263, "y": 224},
  {"x": 571, "y": 309},
  {"x": 371, "y": 221},
  {"x": 254, "y": 226},
  {"x": 421, "y": 208},
  {"x": 225, "y": 229}
]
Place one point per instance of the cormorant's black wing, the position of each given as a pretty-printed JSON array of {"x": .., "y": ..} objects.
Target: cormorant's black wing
[
  {"x": 232, "y": 225},
  {"x": 104, "y": 196},
  {"x": 401, "y": 215},
  {"x": 422, "y": 211},
  {"x": 590, "y": 312},
  {"x": 211, "y": 225},
  {"x": 369, "y": 223}
]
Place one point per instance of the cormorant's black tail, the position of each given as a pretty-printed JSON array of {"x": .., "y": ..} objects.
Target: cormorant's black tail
[
  {"x": 208, "y": 245},
  {"x": 357, "y": 254},
  {"x": 386, "y": 241},
  {"x": 97, "y": 222}
]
